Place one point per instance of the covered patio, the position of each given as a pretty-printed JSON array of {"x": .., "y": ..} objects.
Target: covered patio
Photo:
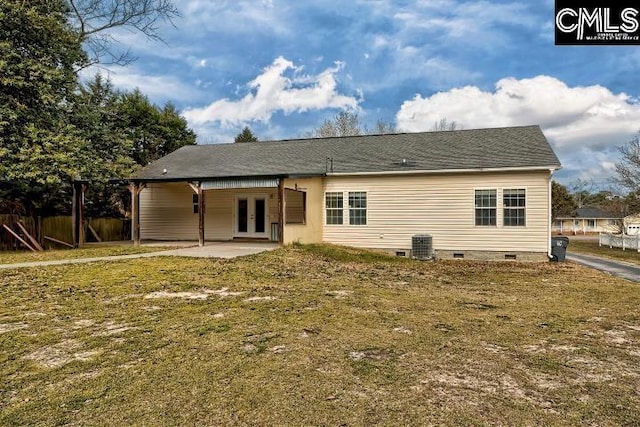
[{"x": 253, "y": 209}]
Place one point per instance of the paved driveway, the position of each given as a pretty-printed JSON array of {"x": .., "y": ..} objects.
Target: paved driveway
[
  {"x": 617, "y": 268},
  {"x": 209, "y": 250}
]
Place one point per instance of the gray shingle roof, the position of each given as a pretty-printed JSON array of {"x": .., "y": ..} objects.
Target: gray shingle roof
[
  {"x": 590, "y": 212},
  {"x": 514, "y": 147}
]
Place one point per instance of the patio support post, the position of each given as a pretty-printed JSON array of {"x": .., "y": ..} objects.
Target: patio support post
[
  {"x": 281, "y": 207},
  {"x": 77, "y": 212},
  {"x": 135, "y": 212},
  {"x": 200, "y": 215}
]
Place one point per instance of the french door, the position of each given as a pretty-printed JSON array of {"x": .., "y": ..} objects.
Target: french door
[{"x": 250, "y": 216}]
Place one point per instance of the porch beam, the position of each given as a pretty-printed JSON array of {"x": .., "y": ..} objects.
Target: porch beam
[{"x": 201, "y": 206}]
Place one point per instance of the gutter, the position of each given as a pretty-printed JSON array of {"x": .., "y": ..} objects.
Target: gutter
[{"x": 443, "y": 171}]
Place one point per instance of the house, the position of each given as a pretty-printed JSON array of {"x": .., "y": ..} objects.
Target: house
[
  {"x": 479, "y": 193},
  {"x": 587, "y": 220}
]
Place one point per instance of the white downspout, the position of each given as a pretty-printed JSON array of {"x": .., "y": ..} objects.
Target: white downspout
[{"x": 550, "y": 216}]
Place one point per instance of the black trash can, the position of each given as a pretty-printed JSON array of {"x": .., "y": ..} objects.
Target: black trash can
[{"x": 559, "y": 248}]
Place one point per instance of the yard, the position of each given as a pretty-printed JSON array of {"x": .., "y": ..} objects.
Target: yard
[{"x": 317, "y": 335}]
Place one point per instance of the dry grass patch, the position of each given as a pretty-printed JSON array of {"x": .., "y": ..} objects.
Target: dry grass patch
[
  {"x": 318, "y": 336},
  {"x": 13, "y": 257}
]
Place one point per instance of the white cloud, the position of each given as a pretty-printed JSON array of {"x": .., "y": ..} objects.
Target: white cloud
[
  {"x": 159, "y": 88},
  {"x": 273, "y": 91},
  {"x": 236, "y": 16},
  {"x": 568, "y": 114},
  {"x": 583, "y": 123}
]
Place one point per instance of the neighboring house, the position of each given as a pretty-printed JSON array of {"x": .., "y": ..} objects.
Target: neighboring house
[
  {"x": 479, "y": 193},
  {"x": 587, "y": 220}
]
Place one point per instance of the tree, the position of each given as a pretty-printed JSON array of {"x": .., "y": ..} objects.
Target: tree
[
  {"x": 347, "y": 123},
  {"x": 154, "y": 132},
  {"x": 94, "y": 21},
  {"x": 581, "y": 191},
  {"x": 40, "y": 52},
  {"x": 628, "y": 168},
  {"x": 96, "y": 116},
  {"x": 562, "y": 204},
  {"x": 245, "y": 136},
  {"x": 382, "y": 128},
  {"x": 174, "y": 131},
  {"x": 445, "y": 125}
]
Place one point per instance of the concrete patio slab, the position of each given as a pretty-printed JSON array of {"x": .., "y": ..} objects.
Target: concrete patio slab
[{"x": 221, "y": 249}]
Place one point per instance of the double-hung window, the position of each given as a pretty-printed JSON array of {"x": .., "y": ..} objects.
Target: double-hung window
[
  {"x": 333, "y": 208},
  {"x": 514, "y": 205},
  {"x": 485, "y": 207},
  {"x": 357, "y": 208}
]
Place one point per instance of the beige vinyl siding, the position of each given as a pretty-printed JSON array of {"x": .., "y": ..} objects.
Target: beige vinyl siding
[
  {"x": 218, "y": 211},
  {"x": 166, "y": 212},
  {"x": 442, "y": 205}
]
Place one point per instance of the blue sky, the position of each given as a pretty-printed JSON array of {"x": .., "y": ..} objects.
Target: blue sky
[{"x": 282, "y": 67}]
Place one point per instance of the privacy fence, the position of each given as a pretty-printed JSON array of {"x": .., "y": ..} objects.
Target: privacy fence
[
  {"x": 54, "y": 232},
  {"x": 623, "y": 241}
]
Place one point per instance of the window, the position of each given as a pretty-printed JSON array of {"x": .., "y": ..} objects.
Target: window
[
  {"x": 485, "y": 207},
  {"x": 591, "y": 224},
  {"x": 333, "y": 205},
  {"x": 514, "y": 204},
  {"x": 358, "y": 208},
  {"x": 194, "y": 200}
]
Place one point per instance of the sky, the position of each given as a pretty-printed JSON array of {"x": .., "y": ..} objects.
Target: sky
[{"x": 282, "y": 67}]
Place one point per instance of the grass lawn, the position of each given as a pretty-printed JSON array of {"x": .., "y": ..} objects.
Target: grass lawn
[
  {"x": 590, "y": 247},
  {"x": 314, "y": 335},
  {"x": 11, "y": 257}
]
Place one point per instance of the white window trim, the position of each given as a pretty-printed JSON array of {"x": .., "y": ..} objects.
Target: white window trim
[
  {"x": 500, "y": 207},
  {"x": 526, "y": 206},
  {"x": 366, "y": 210},
  {"x": 324, "y": 210},
  {"x": 473, "y": 205}
]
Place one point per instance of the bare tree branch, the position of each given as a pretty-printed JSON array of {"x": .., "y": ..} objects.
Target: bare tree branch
[
  {"x": 445, "y": 125},
  {"x": 628, "y": 168},
  {"x": 95, "y": 20}
]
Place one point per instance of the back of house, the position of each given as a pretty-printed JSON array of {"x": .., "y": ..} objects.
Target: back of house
[{"x": 477, "y": 194}]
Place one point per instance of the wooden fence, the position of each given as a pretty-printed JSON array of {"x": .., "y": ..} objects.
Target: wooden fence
[{"x": 60, "y": 228}]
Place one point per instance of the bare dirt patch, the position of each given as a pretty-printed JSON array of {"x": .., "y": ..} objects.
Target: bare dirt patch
[
  {"x": 61, "y": 354},
  {"x": 265, "y": 298},
  {"x": 8, "y": 327},
  {"x": 200, "y": 295},
  {"x": 111, "y": 328}
]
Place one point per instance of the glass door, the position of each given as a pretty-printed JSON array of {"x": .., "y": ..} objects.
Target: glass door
[{"x": 251, "y": 216}]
